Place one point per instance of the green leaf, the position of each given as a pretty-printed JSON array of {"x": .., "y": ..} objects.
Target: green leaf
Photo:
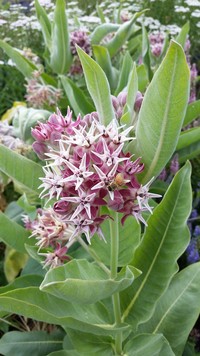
[
  {"x": 20, "y": 168},
  {"x": 25, "y": 66},
  {"x": 175, "y": 315},
  {"x": 146, "y": 52},
  {"x": 143, "y": 79},
  {"x": 22, "y": 282},
  {"x": 129, "y": 239},
  {"x": 65, "y": 353},
  {"x": 189, "y": 152},
  {"x": 82, "y": 282},
  {"x": 182, "y": 36},
  {"x": 192, "y": 113},
  {"x": 148, "y": 345},
  {"x": 122, "y": 35},
  {"x": 36, "y": 343},
  {"x": 98, "y": 87},
  {"x": 33, "y": 303},
  {"x": 162, "y": 112},
  {"x": 44, "y": 22},
  {"x": 127, "y": 66},
  {"x": 102, "y": 57},
  {"x": 25, "y": 119},
  {"x": 164, "y": 241},
  {"x": 100, "y": 14},
  {"x": 188, "y": 137},
  {"x": 13, "y": 234},
  {"x": 132, "y": 90},
  {"x": 76, "y": 96},
  {"x": 60, "y": 56},
  {"x": 101, "y": 31},
  {"x": 88, "y": 344}
]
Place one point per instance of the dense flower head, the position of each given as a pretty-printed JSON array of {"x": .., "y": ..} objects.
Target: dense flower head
[
  {"x": 39, "y": 94},
  {"x": 86, "y": 169},
  {"x": 80, "y": 38},
  {"x": 156, "y": 43}
]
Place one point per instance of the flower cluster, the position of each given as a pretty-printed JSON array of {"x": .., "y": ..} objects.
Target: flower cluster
[
  {"x": 9, "y": 139},
  {"x": 52, "y": 233},
  {"x": 80, "y": 38},
  {"x": 87, "y": 169},
  {"x": 39, "y": 94},
  {"x": 156, "y": 43}
]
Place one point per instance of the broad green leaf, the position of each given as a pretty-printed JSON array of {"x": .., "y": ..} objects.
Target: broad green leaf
[
  {"x": 36, "y": 343},
  {"x": 14, "y": 212},
  {"x": 148, "y": 345},
  {"x": 162, "y": 112},
  {"x": 76, "y": 96},
  {"x": 20, "y": 168},
  {"x": 25, "y": 66},
  {"x": 178, "y": 309},
  {"x": 65, "y": 353},
  {"x": 122, "y": 35},
  {"x": 30, "y": 280},
  {"x": 13, "y": 234},
  {"x": 88, "y": 344},
  {"x": 25, "y": 119},
  {"x": 182, "y": 36},
  {"x": 129, "y": 239},
  {"x": 44, "y": 22},
  {"x": 188, "y": 137},
  {"x": 33, "y": 303},
  {"x": 164, "y": 241},
  {"x": 101, "y": 31},
  {"x": 82, "y": 282},
  {"x": 189, "y": 152},
  {"x": 60, "y": 55},
  {"x": 192, "y": 112},
  {"x": 102, "y": 57},
  {"x": 132, "y": 90},
  {"x": 127, "y": 66},
  {"x": 98, "y": 87}
]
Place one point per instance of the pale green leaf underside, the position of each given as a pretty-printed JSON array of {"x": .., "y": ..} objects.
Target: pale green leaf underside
[{"x": 162, "y": 112}]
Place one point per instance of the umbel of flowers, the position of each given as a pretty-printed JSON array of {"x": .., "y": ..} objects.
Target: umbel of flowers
[{"x": 86, "y": 168}]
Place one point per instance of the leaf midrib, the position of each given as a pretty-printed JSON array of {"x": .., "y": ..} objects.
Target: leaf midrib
[
  {"x": 156, "y": 156},
  {"x": 126, "y": 312}
]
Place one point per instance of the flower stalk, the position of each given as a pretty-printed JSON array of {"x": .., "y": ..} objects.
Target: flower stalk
[{"x": 114, "y": 235}]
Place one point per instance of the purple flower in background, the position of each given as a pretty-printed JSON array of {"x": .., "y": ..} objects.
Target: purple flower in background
[
  {"x": 156, "y": 43},
  {"x": 192, "y": 252}
]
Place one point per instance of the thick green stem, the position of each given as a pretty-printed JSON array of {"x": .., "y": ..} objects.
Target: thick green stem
[
  {"x": 114, "y": 235},
  {"x": 93, "y": 254}
]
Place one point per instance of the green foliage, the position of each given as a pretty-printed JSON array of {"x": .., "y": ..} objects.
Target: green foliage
[
  {"x": 21, "y": 169},
  {"x": 165, "y": 239},
  {"x": 11, "y": 87},
  {"x": 38, "y": 343},
  {"x": 161, "y": 115},
  {"x": 98, "y": 87},
  {"x": 84, "y": 283}
]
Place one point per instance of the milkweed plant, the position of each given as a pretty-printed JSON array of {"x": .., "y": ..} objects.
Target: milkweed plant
[{"x": 104, "y": 244}]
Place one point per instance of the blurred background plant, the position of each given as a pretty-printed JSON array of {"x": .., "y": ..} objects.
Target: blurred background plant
[{"x": 33, "y": 74}]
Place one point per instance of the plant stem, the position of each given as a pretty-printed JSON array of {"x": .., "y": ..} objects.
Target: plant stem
[
  {"x": 114, "y": 236},
  {"x": 93, "y": 254}
]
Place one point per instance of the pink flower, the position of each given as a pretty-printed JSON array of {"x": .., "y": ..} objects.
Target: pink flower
[{"x": 87, "y": 168}]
